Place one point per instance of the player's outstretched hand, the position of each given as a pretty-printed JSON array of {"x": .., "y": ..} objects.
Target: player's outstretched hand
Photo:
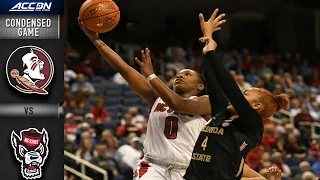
[
  {"x": 210, "y": 44},
  {"x": 212, "y": 25},
  {"x": 274, "y": 173},
  {"x": 92, "y": 35},
  {"x": 146, "y": 64}
]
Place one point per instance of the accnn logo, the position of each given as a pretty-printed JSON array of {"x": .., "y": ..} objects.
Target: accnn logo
[{"x": 32, "y": 6}]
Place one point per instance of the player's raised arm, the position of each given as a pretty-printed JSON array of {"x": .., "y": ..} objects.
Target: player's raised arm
[
  {"x": 217, "y": 98},
  {"x": 137, "y": 82},
  {"x": 227, "y": 83},
  {"x": 249, "y": 119},
  {"x": 249, "y": 107}
]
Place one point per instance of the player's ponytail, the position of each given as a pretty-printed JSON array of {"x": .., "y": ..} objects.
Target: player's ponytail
[
  {"x": 282, "y": 101},
  {"x": 272, "y": 103}
]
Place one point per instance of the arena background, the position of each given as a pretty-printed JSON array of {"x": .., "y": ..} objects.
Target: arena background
[{"x": 273, "y": 44}]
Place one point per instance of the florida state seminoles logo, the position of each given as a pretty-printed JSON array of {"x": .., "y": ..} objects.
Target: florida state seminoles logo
[
  {"x": 29, "y": 69},
  {"x": 31, "y": 150}
]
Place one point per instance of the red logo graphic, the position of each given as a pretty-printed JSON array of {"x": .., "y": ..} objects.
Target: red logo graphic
[{"x": 31, "y": 150}]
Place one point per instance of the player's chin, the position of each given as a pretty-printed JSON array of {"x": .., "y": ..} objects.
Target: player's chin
[{"x": 177, "y": 87}]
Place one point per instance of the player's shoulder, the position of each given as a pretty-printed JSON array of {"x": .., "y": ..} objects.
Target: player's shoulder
[{"x": 199, "y": 97}]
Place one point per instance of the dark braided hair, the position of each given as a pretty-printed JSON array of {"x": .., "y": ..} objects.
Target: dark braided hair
[{"x": 202, "y": 80}]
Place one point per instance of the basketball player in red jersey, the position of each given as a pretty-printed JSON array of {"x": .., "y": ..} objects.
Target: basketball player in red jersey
[{"x": 176, "y": 117}]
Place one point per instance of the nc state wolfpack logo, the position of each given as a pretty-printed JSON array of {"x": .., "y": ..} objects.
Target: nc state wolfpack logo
[
  {"x": 29, "y": 69},
  {"x": 31, "y": 149}
]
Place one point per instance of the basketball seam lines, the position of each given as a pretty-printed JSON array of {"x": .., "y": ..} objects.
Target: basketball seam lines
[
  {"x": 101, "y": 27},
  {"x": 97, "y": 17},
  {"x": 101, "y": 15},
  {"x": 93, "y": 5}
]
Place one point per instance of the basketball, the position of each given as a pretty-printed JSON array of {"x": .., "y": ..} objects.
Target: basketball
[{"x": 100, "y": 16}]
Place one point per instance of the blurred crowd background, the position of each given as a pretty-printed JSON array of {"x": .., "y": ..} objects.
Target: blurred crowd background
[{"x": 106, "y": 122}]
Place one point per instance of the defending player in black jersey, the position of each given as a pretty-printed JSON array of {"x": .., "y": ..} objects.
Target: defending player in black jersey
[{"x": 236, "y": 128}]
